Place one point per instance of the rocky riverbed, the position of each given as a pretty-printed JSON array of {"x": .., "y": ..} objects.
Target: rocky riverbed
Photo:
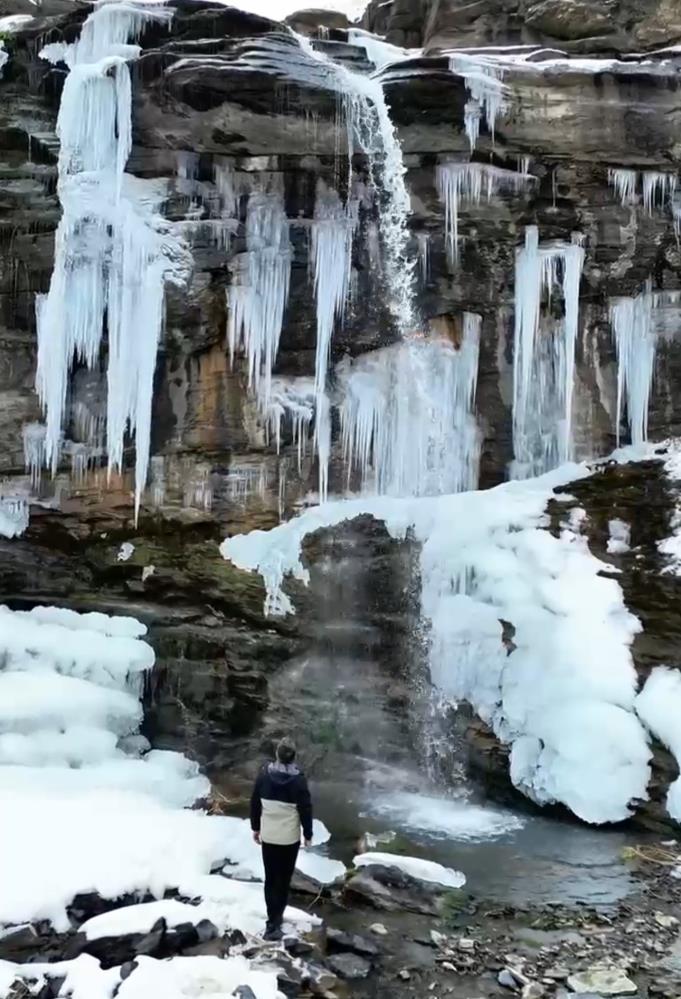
[{"x": 386, "y": 934}]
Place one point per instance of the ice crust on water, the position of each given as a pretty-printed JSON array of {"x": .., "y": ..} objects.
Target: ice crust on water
[
  {"x": 544, "y": 354},
  {"x": 422, "y": 870},
  {"x": 564, "y": 696},
  {"x": 458, "y": 183},
  {"x": 114, "y": 253},
  {"x": 407, "y": 415}
]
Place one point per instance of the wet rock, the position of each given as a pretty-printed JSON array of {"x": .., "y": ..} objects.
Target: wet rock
[
  {"x": 150, "y": 944},
  {"x": 404, "y": 974},
  {"x": 18, "y": 943},
  {"x": 379, "y": 929},
  {"x": 602, "y": 981},
  {"x": 392, "y": 889},
  {"x": 337, "y": 940},
  {"x": 244, "y": 992},
  {"x": 349, "y": 966},
  {"x": 318, "y": 979}
]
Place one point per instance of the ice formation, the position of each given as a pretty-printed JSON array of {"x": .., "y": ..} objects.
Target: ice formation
[
  {"x": 659, "y": 707},
  {"x": 258, "y": 295},
  {"x": 563, "y": 697},
  {"x": 619, "y": 541},
  {"x": 544, "y": 353},
  {"x": 407, "y": 415},
  {"x": 114, "y": 253},
  {"x": 423, "y": 242},
  {"x": 487, "y": 92},
  {"x": 294, "y": 400},
  {"x": 656, "y": 186},
  {"x": 332, "y": 230},
  {"x": 458, "y": 183},
  {"x": 635, "y": 338},
  {"x": 624, "y": 181}
]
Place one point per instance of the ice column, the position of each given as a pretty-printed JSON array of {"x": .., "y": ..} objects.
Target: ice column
[
  {"x": 332, "y": 231},
  {"x": 259, "y": 293},
  {"x": 113, "y": 251},
  {"x": 635, "y": 338},
  {"x": 544, "y": 359}
]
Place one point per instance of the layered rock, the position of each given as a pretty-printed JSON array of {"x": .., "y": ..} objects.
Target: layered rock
[{"x": 228, "y": 104}]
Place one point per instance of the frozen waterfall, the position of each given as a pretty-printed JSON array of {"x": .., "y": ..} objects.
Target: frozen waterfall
[
  {"x": 544, "y": 354},
  {"x": 113, "y": 252},
  {"x": 407, "y": 420}
]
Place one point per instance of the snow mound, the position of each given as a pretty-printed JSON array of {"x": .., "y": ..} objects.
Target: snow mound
[
  {"x": 659, "y": 707},
  {"x": 422, "y": 870}
]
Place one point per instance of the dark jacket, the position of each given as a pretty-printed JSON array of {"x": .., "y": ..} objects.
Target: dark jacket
[{"x": 281, "y": 804}]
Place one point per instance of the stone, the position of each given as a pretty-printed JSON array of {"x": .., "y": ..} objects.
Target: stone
[
  {"x": 438, "y": 939},
  {"x": 511, "y": 978},
  {"x": 602, "y": 981},
  {"x": 379, "y": 929},
  {"x": 570, "y": 19},
  {"x": 533, "y": 990},
  {"x": 404, "y": 974},
  {"x": 244, "y": 992},
  {"x": 349, "y": 966},
  {"x": 666, "y": 921},
  {"x": 17, "y": 942},
  {"x": 338, "y": 940}
]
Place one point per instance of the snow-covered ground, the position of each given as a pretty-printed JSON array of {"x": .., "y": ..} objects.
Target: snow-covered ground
[{"x": 87, "y": 807}]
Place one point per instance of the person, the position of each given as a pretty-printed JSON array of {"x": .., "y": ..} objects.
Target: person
[{"x": 280, "y": 806}]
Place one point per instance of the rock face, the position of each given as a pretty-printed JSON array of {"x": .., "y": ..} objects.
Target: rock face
[
  {"x": 227, "y": 105},
  {"x": 587, "y": 25}
]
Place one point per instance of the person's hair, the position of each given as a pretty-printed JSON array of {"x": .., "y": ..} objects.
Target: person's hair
[{"x": 286, "y": 750}]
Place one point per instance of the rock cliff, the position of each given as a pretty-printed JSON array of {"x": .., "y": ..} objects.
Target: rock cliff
[{"x": 228, "y": 106}]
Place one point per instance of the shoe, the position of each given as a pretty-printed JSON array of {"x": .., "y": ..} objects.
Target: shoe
[{"x": 272, "y": 932}]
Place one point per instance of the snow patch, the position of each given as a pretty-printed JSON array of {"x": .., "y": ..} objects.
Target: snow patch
[
  {"x": 422, "y": 870},
  {"x": 659, "y": 707}
]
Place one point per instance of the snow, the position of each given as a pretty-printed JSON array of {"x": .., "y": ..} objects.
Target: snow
[
  {"x": 380, "y": 52},
  {"x": 118, "y": 815},
  {"x": 659, "y": 707},
  {"x": 176, "y": 978},
  {"x": 619, "y": 541},
  {"x": 226, "y": 903},
  {"x": 544, "y": 358},
  {"x": 125, "y": 552},
  {"x": 563, "y": 699},
  {"x": 422, "y": 870}
]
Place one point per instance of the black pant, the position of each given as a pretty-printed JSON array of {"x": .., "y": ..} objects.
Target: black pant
[{"x": 279, "y": 862}]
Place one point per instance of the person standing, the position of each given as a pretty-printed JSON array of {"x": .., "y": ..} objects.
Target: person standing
[{"x": 280, "y": 806}]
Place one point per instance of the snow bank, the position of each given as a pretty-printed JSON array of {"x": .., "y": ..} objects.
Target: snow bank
[
  {"x": 422, "y": 870},
  {"x": 659, "y": 707},
  {"x": 177, "y": 978},
  {"x": 559, "y": 687},
  {"x": 70, "y": 760}
]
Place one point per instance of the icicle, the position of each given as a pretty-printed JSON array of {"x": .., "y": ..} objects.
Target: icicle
[
  {"x": 487, "y": 92},
  {"x": 187, "y": 165},
  {"x": 292, "y": 399},
  {"x": 458, "y": 182},
  {"x": 332, "y": 232},
  {"x": 624, "y": 182},
  {"x": 34, "y": 450},
  {"x": 657, "y": 188},
  {"x": 635, "y": 339},
  {"x": 113, "y": 251},
  {"x": 227, "y": 187},
  {"x": 544, "y": 362},
  {"x": 407, "y": 422},
  {"x": 259, "y": 292},
  {"x": 423, "y": 240}
]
